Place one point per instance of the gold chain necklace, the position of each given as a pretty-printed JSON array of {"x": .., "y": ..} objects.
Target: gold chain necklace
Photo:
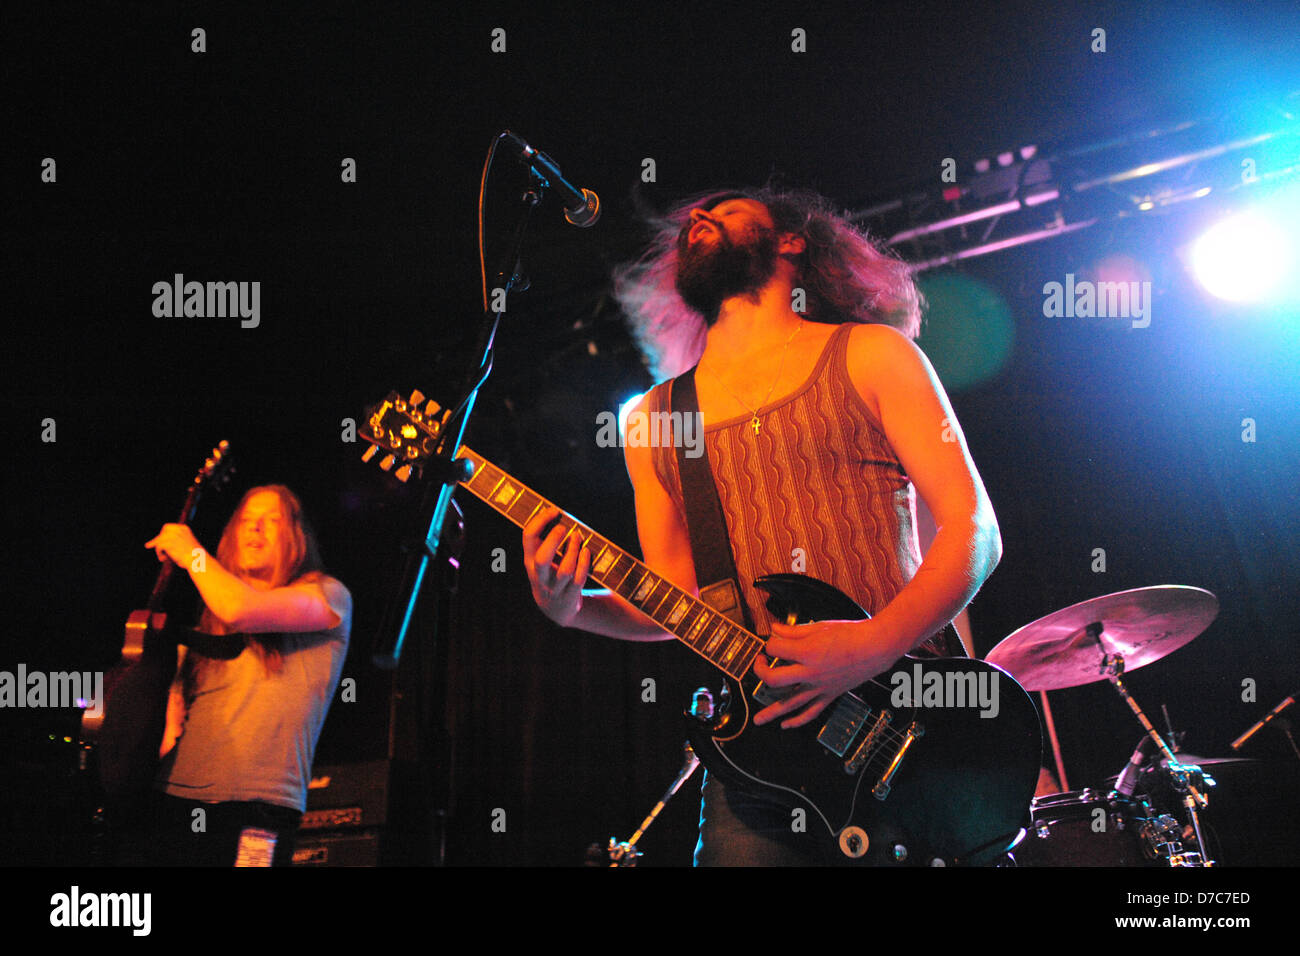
[{"x": 754, "y": 422}]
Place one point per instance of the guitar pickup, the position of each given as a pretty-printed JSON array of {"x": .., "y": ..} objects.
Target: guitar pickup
[
  {"x": 860, "y": 756},
  {"x": 881, "y": 789},
  {"x": 845, "y": 722}
]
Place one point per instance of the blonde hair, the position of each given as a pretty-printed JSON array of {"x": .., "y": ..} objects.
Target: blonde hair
[{"x": 298, "y": 561}]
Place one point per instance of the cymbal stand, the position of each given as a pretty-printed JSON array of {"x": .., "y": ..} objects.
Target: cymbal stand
[
  {"x": 626, "y": 853},
  {"x": 1187, "y": 780}
]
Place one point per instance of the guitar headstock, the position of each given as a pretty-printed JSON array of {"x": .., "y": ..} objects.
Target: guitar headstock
[
  {"x": 407, "y": 430},
  {"x": 217, "y": 469}
]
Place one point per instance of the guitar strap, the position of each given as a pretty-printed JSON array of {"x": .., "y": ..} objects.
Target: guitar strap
[
  {"x": 710, "y": 544},
  {"x": 222, "y": 647}
]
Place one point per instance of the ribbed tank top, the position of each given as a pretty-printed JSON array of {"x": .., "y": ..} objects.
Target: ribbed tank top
[{"x": 819, "y": 490}]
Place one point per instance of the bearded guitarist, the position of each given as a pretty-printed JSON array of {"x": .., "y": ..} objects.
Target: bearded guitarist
[
  {"x": 245, "y": 729},
  {"x": 822, "y": 419}
]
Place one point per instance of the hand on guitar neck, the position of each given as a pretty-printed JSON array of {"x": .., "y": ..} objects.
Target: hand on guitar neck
[
  {"x": 177, "y": 541},
  {"x": 557, "y": 589}
]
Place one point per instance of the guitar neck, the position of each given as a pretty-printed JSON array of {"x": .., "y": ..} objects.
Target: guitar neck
[
  {"x": 163, "y": 581},
  {"x": 707, "y": 632}
]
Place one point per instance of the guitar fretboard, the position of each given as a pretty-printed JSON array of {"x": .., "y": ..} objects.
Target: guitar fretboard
[{"x": 709, "y": 633}]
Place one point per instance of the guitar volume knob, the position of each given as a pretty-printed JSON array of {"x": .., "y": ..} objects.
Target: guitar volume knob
[{"x": 854, "y": 842}]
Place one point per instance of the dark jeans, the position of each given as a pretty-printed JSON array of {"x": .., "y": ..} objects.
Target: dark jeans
[
  {"x": 739, "y": 827},
  {"x": 218, "y": 843}
]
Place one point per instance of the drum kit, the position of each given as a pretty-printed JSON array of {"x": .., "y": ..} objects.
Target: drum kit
[{"x": 1151, "y": 815}]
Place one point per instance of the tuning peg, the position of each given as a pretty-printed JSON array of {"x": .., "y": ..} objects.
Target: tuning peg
[
  {"x": 431, "y": 408},
  {"x": 387, "y": 462},
  {"x": 369, "y": 452},
  {"x": 417, "y": 397},
  {"x": 403, "y": 473}
]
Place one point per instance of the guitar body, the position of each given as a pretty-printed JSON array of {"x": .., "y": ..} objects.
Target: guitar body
[
  {"x": 129, "y": 731},
  {"x": 961, "y": 783}
]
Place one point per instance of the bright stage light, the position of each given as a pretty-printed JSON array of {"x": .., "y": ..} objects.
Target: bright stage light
[
  {"x": 1244, "y": 258},
  {"x": 624, "y": 407}
]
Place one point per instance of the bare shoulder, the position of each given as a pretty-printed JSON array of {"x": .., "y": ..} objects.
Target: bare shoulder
[
  {"x": 884, "y": 361},
  {"x": 874, "y": 343}
]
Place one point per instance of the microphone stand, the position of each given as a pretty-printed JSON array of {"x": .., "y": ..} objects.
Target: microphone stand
[
  {"x": 443, "y": 468},
  {"x": 445, "y": 472}
]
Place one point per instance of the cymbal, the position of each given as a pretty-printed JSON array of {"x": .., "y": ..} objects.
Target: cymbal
[
  {"x": 1195, "y": 761},
  {"x": 1143, "y": 624}
]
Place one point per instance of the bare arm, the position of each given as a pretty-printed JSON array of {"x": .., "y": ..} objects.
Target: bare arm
[
  {"x": 665, "y": 547},
  {"x": 242, "y": 607},
  {"x": 896, "y": 377}
]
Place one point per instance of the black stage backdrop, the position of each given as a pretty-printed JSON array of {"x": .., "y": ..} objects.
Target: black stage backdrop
[{"x": 226, "y": 165}]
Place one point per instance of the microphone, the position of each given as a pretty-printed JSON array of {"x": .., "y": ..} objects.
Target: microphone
[
  {"x": 581, "y": 206},
  {"x": 1128, "y": 779}
]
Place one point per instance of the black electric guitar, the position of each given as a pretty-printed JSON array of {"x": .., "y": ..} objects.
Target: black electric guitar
[
  {"x": 129, "y": 729},
  {"x": 933, "y": 762}
]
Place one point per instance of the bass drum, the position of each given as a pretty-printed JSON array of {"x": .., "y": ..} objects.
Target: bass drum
[{"x": 1090, "y": 828}]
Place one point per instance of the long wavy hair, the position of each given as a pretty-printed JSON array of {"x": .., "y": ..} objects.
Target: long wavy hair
[
  {"x": 846, "y": 276},
  {"x": 298, "y": 561}
]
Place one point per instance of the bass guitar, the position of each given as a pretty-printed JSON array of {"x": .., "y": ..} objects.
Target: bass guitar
[{"x": 933, "y": 762}]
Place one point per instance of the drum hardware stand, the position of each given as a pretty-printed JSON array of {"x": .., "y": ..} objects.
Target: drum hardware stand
[
  {"x": 1187, "y": 780},
  {"x": 626, "y": 853},
  {"x": 1283, "y": 725},
  {"x": 1056, "y": 742}
]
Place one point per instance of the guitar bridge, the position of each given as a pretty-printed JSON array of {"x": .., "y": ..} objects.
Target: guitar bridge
[{"x": 881, "y": 790}]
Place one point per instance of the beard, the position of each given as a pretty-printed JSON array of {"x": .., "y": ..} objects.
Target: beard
[{"x": 709, "y": 274}]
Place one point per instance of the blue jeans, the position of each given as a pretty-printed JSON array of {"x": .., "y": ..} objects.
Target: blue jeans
[{"x": 740, "y": 827}]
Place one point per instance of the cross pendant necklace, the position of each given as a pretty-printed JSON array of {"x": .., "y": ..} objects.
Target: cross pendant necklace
[{"x": 754, "y": 423}]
